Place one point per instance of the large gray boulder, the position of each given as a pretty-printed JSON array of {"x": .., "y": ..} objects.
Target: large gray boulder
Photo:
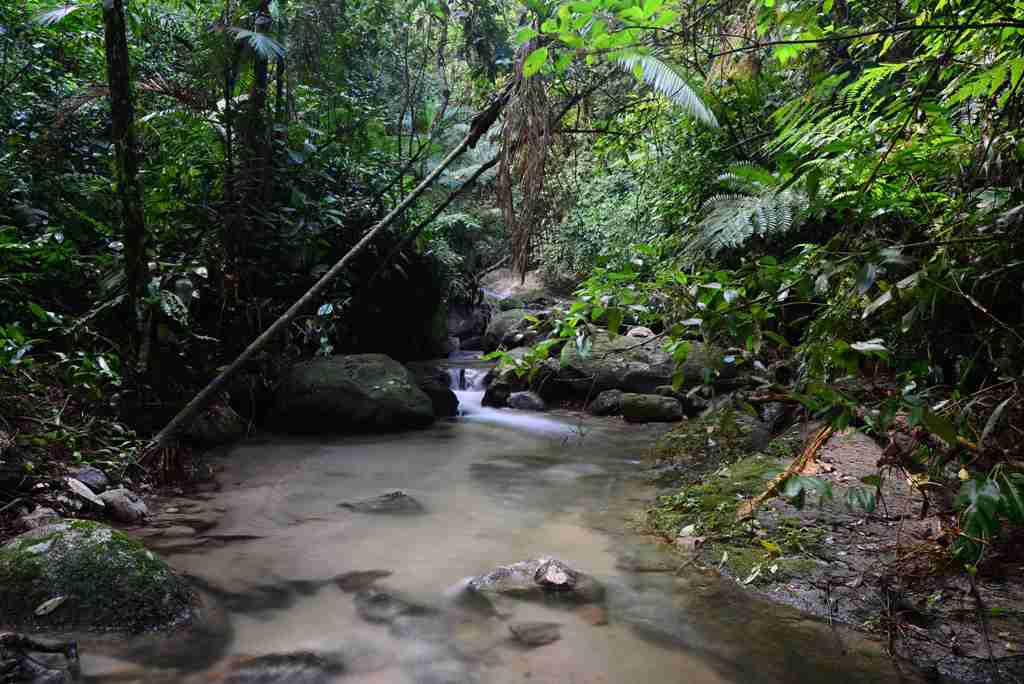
[
  {"x": 630, "y": 365},
  {"x": 218, "y": 424},
  {"x": 509, "y": 329},
  {"x": 650, "y": 408},
  {"x": 78, "y": 574},
  {"x": 357, "y": 393}
]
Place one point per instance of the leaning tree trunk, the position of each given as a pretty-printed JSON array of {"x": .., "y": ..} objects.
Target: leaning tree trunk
[
  {"x": 129, "y": 189},
  {"x": 481, "y": 123}
]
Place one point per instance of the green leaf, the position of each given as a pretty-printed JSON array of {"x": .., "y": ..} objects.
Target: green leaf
[
  {"x": 535, "y": 61},
  {"x": 260, "y": 43},
  {"x": 666, "y": 81},
  {"x": 615, "y": 315},
  {"x": 866, "y": 277},
  {"x": 993, "y": 420},
  {"x": 940, "y": 426},
  {"x": 524, "y": 34},
  {"x": 1012, "y": 498},
  {"x": 57, "y": 15}
]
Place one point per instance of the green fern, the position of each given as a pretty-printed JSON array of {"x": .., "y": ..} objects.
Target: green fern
[
  {"x": 665, "y": 80},
  {"x": 754, "y": 207}
]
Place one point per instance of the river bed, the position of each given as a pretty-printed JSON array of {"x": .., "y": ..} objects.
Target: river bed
[{"x": 498, "y": 486}]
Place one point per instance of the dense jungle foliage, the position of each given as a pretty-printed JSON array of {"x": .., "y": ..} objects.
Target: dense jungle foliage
[{"x": 835, "y": 182}]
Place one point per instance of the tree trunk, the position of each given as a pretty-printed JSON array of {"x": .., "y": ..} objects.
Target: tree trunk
[
  {"x": 482, "y": 122},
  {"x": 126, "y": 157}
]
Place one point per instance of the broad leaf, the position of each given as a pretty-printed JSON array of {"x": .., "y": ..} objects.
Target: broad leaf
[{"x": 666, "y": 81}]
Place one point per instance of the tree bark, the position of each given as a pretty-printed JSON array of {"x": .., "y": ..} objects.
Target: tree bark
[
  {"x": 129, "y": 189},
  {"x": 482, "y": 122}
]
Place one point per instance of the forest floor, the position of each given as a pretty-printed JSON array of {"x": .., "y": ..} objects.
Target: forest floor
[{"x": 887, "y": 572}]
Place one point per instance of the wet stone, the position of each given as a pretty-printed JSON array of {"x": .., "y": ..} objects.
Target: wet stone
[
  {"x": 358, "y": 580},
  {"x": 535, "y": 634},
  {"x": 392, "y": 502},
  {"x": 92, "y": 477},
  {"x": 539, "y": 579},
  {"x": 374, "y": 605},
  {"x": 39, "y": 517},
  {"x": 429, "y": 627},
  {"x": 281, "y": 668},
  {"x": 124, "y": 506}
]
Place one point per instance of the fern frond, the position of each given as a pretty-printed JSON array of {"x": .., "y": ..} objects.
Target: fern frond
[
  {"x": 262, "y": 44},
  {"x": 665, "y": 80},
  {"x": 732, "y": 219},
  {"x": 54, "y": 16}
]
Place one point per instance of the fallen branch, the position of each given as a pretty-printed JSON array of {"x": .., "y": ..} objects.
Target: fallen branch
[
  {"x": 747, "y": 508},
  {"x": 482, "y": 122}
]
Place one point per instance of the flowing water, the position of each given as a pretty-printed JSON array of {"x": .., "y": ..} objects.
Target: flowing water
[{"x": 498, "y": 486}]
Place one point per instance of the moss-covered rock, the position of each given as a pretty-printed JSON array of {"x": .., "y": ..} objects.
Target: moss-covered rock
[
  {"x": 219, "y": 424},
  {"x": 627, "y": 364},
  {"x": 357, "y": 393},
  {"x": 94, "y": 578},
  {"x": 650, "y": 408},
  {"x": 509, "y": 329},
  {"x": 720, "y": 435}
]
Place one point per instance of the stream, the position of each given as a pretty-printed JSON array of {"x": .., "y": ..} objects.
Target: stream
[{"x": 498, "y": 486}]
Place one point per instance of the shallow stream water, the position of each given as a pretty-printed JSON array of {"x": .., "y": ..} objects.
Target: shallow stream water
[{"x": 499, "y": 486}]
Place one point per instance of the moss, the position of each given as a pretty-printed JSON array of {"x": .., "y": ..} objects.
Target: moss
[{"x": 111, "y": 581}]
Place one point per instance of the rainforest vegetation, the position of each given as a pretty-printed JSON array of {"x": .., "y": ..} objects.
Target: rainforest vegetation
[{"x": 832, "y": 183}]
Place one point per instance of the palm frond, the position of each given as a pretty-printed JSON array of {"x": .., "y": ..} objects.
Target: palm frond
[
  {"x": 54, "y": 16},
  {"x": 262, "y": 44},
  {"x": 665, "y": 80}
]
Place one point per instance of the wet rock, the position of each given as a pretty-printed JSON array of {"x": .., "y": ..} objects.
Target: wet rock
[
  {"x": 647, "y": 559},
  {"x": 359, "y": 580},
  {"x": 509, "y": 329},
  {"x": 110, "y": 580},
  {"x": 442, "y": 398},
  {"x": 124, "y": 506},
  {"x": 651, "y": 408},
  {"x": 422, "y": 627},
  {"x": 535, "y": 634},
  {"x": 640, "y": 332},
  {"x": 218, "y": 424},
  {"x": 607, "y": 403},
  {"x": 629, "y": 365},
  {"x": 361, "y": 392},
  {"x": 82, "y": 491},
  {"x": 92, "y": 477},
  {"x": 281, "y": 668},
  {"x": 538, "y": 579},
  {"x": 526, "y": 401},
  {"x": 446, "y": 671},
  {"x": 378, "y": 605},
  {"x": 39, "y": 517},
  {"x": 496, "y": 395},
  {"x": 392, "y": 502}
]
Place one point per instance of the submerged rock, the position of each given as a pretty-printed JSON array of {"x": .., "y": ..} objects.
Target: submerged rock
[
  {"x": 281, "y": 668},
  {"x": 541, "y": 578},
  {"x": 526, "y": 401},
  {"x": 358, "y": 580},
  {"x": 535, "y": 633},
  {"x": 362, "y": 392},
  {"x": 378, "y": 605},
  {"x": 651, "y": 408},
  {"x": 392, "y": 502},
  {"x": 109, "y": 581}
]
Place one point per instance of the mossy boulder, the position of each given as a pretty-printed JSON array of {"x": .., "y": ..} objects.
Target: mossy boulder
[
  {"x": 509, "y": 329},
  {"x": 218, "y": 424},
  {"x": 627, "y": 364},
  {"x": 89, "y": 577},
  {"x": 719, "y": 435},
  {"x": 650, "y": 408},
  {"x": 357, "y": 393}
]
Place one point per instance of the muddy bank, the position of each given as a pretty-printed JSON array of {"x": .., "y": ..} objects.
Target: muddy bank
[{"x": 844, "y": 545}]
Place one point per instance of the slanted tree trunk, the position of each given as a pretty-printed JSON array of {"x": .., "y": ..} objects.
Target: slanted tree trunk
[
  {"x": 481, "y": 123},
  {"x": 129, "y": 189}
]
